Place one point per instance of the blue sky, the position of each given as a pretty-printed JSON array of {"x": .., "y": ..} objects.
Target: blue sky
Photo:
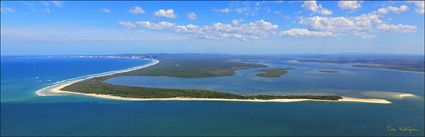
[{"x": 253, "y": 27}]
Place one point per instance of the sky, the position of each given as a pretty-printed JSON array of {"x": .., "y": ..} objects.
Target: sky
[{"x": 230, "y": 27}]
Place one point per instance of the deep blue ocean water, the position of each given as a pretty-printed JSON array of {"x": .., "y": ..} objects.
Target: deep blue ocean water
[{"x": 24, "y": 113}]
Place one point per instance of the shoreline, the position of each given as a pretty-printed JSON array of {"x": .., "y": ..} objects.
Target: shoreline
[
  {"x": 50, "y": 90},
  {"x": 55, "y": 89}
]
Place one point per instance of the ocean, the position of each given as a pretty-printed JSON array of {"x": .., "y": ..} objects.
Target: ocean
[{"x": 25, "y": 113}]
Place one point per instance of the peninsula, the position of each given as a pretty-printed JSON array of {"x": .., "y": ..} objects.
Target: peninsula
[{"x": 185, "y": 68}]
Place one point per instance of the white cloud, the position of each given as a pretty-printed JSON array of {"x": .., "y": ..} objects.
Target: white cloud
[
  {"x": 388, "y": 9},
  {"x": 136, "y": 10},
  {"x": 225, "y": 10},
  {"x": 420, "y": 6},
  {"x": 105, "y": 10},
  {"x": 235, "y": 30},
  {"x": 149, "y": 25},
  {"x": 192, "y": 16},
  {"x": 57, "y": 3},
  {"x": 127, "y": 24},
  {"x": 246, "y": 8},
  {"x": 304, "y": 32},
  {"x": 4, "y": 9},
  {"x": 156, "y": 26},
  {"x": 216, "y": 31},
  {"x": 365, "y": 25},
  {"x": 43, "y": 6},
  {"x": 398, "y": 27},
  {"x": 169, "y": 13},
  {"x": 349, "y": 5},
  {"x": 242, "y": 10},
  {"x": 316, "y": 8},
  {"x": 237, "y": 22}
]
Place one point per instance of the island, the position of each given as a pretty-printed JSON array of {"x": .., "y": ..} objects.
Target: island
[
  {"x": 273, "y": 72},
  {"x": 406, "y": 63},
  {"x": 184, "y": 68},
  {"x": 193, "y": 68},
  {"x": 329, "y": 71}
]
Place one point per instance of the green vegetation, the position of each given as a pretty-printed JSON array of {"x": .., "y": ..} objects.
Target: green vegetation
[
  {"x": 192, "y": 68},
  {"x": 276, "y": 72},
  {"x": 392, "y": 66},
  {"x": 402, "y": 62},
  {"x": 329, "y": 71},
  {"x": 97, "y": 86},
  {"x": 187, "y": 68}
]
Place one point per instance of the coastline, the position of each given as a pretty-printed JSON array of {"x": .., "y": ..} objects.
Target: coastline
[
  {"x": 51, "y": 90},
  {"x": 55, "y": 89},
  {"x": 365, "y": 100},
  {"x": 344, "y": 99}
]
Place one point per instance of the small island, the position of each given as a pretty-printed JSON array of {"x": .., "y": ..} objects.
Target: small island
[
  {"x": 273, "y": 72},
  {"x": 329, "y": 71}
]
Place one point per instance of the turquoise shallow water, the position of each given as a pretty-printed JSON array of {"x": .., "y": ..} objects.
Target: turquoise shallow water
[{"x": 24, "y": 113}]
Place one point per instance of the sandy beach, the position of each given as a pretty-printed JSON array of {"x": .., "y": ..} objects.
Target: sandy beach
[
  {"x": 406, "y": 95},
  {"x": 56, "y": 90},
  {"x": 391, "y": 95},
  {"x": 365, "y": 100}
]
